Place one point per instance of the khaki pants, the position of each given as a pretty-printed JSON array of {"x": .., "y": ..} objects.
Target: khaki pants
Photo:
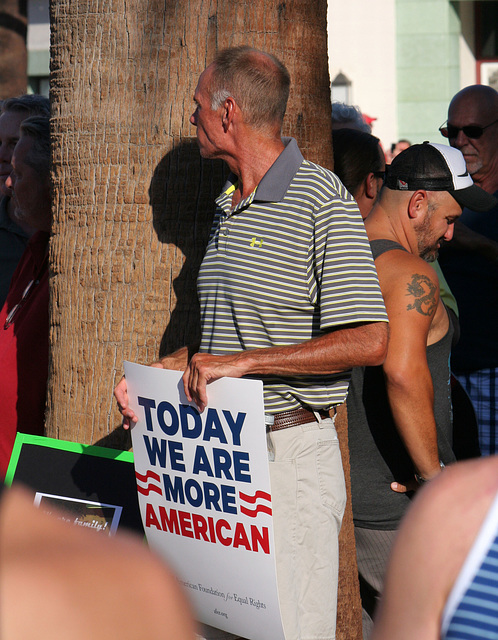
[{"x": 308, "y": 500}]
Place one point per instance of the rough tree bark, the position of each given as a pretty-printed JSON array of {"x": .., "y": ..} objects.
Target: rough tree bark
[
  {"x": 132, "y": 198},
  {"x": 349, "y": 624},
  {"x": 13, "y": 54}
]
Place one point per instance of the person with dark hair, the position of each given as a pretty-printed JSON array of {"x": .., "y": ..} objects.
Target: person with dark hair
[
  {"x": 399, "y": 414},
  {"x": 14, "y": 234},
  {"x": 24, "y": 315},
  {"x": 359, "y": 163},
  {"x": 288, "y": 294},
  {"x": 31, "y": 104}
]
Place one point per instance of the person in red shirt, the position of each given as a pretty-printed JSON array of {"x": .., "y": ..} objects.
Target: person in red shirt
[{"x": 24, "y": 315}]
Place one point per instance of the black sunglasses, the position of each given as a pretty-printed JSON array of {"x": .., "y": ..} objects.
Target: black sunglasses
[{"x": 473, "y": 131}]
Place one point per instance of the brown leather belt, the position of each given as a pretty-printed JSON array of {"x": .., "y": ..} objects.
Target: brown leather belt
[{"x": 296, "y": 417}]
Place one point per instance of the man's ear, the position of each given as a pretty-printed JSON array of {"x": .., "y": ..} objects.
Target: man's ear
[
  {"x": 418, "y": 203},
  {"x": 370, "y": 186},
  {"x": 229, "y": 107}
]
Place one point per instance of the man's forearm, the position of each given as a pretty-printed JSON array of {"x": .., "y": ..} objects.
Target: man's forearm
[
  {"x": 413, "y": 413},
  {"x": 179, "y": 359},
  {"x": 333, "y": 352}
]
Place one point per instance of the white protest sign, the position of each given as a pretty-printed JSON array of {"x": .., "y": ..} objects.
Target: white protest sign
[{"x": 204, "y": 493}]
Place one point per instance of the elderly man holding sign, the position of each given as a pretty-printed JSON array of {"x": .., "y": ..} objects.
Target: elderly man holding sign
[{"x": 289, "y": 294}]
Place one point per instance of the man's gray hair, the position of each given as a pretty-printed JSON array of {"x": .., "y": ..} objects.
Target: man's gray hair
[
  {"x": 38, "y": 129},
  {"x": 219, "y": 97},
  {"x": 257, "y": 81},
  {"x": 30, "y": 104}
]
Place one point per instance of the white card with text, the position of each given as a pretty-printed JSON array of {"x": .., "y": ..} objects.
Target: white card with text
[{"x": 204, "y": 491}]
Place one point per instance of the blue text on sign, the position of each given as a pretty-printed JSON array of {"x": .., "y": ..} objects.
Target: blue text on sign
[{"x": 192, "y": 424}]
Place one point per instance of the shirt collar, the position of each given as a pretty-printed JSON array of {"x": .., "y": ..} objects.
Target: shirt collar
[{"x": 276, "y": 181}]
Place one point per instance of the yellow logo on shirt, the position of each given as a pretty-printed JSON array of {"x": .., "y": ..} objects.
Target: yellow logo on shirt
[{"x": 257, "y": 242}]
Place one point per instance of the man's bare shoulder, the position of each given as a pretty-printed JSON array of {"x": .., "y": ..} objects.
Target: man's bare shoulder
[
  {"x": 433, "y": 542},
  {"x": 398, "y": 263},
  {"x": 409, "y": 281},
  {"x": 448, "y": 513},
  {"x": 474, "y": 481}
]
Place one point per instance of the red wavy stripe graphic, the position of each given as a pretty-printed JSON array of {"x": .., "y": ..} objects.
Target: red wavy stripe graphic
[
  {"x": 150, "y": 474},
  {"x": 252, "y": 499},
  {"x": 151, "y": 487},
  {"x": 260, "y": 508}
]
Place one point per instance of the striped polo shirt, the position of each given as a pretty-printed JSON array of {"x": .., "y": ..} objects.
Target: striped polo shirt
[{"x": 289, "y": 262}]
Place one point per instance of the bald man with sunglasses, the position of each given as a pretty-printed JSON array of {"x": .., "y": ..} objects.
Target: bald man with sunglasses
[{"x": 470, "y": 261}]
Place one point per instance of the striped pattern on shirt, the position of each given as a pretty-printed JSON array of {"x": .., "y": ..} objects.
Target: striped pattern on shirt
[
  {"x": 281, "y": 272},
  {"x": 476, "y": 616}
]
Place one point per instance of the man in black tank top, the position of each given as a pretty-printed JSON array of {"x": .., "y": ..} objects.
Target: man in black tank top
[{"x": 400, "y": 431}]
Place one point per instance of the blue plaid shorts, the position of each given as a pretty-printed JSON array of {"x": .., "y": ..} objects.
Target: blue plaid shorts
[{"x": 482, "y": 387}]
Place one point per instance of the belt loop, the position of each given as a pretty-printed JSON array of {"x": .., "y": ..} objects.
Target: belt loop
[
  {"x": 333, "y": 413},
  {"x": 320, "y": 417},
  {"x": 270, "y": 447}
]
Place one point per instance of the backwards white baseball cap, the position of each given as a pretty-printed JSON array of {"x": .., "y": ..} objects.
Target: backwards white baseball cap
[{"x": 437, "y": 167}]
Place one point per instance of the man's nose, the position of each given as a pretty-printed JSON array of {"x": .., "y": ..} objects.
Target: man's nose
[
  {"x": 461, "y": 140},
  {"x": 193, "y": 119},
  {"x": 449, "y": 232}
]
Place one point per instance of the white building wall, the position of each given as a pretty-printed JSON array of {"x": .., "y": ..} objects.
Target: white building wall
[
  {"x": 362, "y": 45},
  {"x": 38, "y": 25},
  {"x": 467, "y": 44},
  {"x": 38, "y": 45}
]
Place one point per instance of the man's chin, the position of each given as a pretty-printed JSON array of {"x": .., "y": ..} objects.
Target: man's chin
[
  {"x": 430, "y": 255},
  {"x": 205, "y": 154},
  {"x": 473, "y": 164}
]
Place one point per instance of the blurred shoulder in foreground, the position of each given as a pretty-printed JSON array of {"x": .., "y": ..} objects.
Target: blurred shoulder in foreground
[
  {"x": 59, "y": 581},
  {"x": 434, "y": 587}
]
